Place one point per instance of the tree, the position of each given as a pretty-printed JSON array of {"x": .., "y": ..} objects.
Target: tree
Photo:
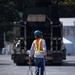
[
  {"x": 9, "y": 36},
  {"x": 67, "y": 2},
  {"x": 9, "y": 10}
]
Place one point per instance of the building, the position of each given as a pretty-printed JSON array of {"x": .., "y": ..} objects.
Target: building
[{"x": 69, "y": 34}]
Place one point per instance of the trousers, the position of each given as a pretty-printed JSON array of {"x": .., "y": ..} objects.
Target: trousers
[{"x": 39, "y": 66}]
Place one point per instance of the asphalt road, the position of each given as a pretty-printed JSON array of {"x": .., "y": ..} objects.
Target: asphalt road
[{"x": 7, "y": 67}]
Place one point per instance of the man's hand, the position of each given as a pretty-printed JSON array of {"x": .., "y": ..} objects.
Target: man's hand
[{"x": 45, "y": 56}]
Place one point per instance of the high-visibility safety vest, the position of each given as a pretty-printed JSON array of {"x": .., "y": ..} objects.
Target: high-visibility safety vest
[{"x": 38, "y": 46}]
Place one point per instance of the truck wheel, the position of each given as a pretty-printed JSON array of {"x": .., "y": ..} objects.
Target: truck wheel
[
  {"x": 59, "y": 64},
  {"x": 18, "y": 64}
]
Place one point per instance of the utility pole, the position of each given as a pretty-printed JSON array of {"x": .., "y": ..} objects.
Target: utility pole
[{"x": 4, "y": 40}]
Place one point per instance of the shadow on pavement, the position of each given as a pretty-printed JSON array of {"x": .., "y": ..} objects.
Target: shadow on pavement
[
  {"x": 68, "y": 63},
  {"x": 5, "y": 64}
]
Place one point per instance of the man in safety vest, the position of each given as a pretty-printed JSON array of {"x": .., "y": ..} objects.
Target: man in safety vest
[{"x": 38, "y": 49}]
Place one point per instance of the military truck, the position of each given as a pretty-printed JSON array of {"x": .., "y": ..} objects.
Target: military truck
[{"x": 40, "y": 15}]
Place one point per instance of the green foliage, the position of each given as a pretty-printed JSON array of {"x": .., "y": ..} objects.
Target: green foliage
[
  {"x": 67, "y": 11},
  {"x": 9, "y": 36},
  {"x": 9, "y": 10},
  {"x": 67, "y": 2}
]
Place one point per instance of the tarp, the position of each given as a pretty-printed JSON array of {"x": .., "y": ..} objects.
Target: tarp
[
  {"x": 68, "y": 45},
  {"x": 66, "y": 41}
]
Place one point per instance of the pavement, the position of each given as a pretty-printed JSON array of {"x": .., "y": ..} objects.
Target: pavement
[{"x": 7, "y": 67}]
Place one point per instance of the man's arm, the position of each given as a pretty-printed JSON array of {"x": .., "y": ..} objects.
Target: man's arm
[
  {"x": 31, "y": 50},
  {"x": 44, "y": 47}
]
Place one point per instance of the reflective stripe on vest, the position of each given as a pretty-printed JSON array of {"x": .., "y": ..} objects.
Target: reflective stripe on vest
[{"x": 38, "y": 46}]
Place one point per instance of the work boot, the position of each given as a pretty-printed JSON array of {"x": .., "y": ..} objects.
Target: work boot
[{"x": 37, "y": 73}]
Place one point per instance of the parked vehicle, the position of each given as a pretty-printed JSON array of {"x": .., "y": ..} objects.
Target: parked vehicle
[{"x": 43, "y": 16}]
